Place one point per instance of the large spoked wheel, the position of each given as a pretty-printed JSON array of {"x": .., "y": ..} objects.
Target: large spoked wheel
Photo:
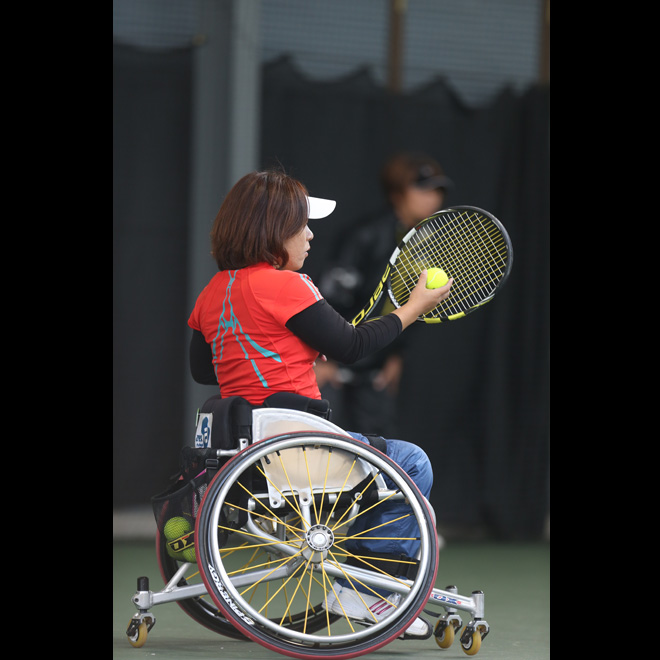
[{"x": 299, "y": 498}]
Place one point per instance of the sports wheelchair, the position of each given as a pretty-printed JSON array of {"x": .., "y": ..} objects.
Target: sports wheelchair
[{"x": 252, "y": 537}]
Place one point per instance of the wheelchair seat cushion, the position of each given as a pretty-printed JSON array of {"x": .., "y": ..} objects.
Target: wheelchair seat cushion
[{"x": 320, "y": 407}]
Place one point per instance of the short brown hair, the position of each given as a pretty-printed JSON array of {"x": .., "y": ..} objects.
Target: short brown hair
[{"x": 258, "y": 215}]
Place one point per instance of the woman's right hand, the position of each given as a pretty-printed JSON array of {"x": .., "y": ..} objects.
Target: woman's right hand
[{"x": 422, "y": 300}]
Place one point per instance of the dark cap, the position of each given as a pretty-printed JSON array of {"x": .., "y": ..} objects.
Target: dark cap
[
  {"x": 430, "y": 177},
  {"x": 412, "y": 169}
]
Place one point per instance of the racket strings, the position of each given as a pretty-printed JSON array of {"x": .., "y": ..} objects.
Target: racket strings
[
  {"x": 468, "y": 260},
  {"x": 473, "y": 250},
  {"x": 468, "y": 246}
]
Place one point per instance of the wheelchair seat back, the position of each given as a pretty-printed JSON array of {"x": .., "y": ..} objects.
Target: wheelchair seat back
[{"x": 224, "y": 423}]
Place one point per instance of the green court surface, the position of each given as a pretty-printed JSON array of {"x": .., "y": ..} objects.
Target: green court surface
[{"x": 515, "y": 579}]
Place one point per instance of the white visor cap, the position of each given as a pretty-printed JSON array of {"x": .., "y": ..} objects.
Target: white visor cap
[{"x": 320, "y": 208}]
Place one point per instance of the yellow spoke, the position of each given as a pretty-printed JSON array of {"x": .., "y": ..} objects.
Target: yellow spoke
[
  {"x": 347, "y": 553},
  {"x": 373, "y": 478},
  {"x": 358, "y": 537},
  {"x": 327, "y": 609},
  {"x": 232, "y": 549},
  {"x": 327, "y": 520},
  {"x": 311, "y": 487},
  {"x": 375, "y": 568},
  {"x": 192, "y": 575},
  {"x": 252, "y": 557},
  {"x": 252, "y": 595},
  {"x": 248, "y": 566},
  {"x": 283, "y": 584},
  {"x": 288, "y": 604},
  {"x": 267, "y": 599},
  {"x": 293, "y": 504},
  {"x": 325, "y": 478},
  {"x": 256, "y": 536},
  {"x": 317, "y": 581},
  {"x": 294, "y": 530},
  {"x": 275, "y": 516},
  {"x": 295, "y": 591},
  {"x": 353, "y": 581},
  {"x": 362, "y": 512},
  {"x": 309, "y": 591},
  {"x": 263, "y": 577}
]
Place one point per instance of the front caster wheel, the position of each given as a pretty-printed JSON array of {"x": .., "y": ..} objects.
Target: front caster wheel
[
  {"x": 472, "y": 636},
  {"x": 444, "y": 638},
  {"x": 137, "y": 633},
  {"x": 473, "y": 644}
]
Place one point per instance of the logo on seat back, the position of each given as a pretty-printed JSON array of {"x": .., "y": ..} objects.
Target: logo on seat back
[{"x": 203, "y": 433}]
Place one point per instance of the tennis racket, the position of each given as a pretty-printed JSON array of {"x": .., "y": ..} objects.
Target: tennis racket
[{"x": 468, "y": 243}]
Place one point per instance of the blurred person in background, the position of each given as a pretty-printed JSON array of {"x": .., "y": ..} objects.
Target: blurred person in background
[{"x": 364, "y": 394}]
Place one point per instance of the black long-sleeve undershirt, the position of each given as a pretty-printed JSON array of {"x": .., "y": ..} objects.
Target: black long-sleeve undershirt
[
  {"x": 201, "y": 360},
  {"x": 324, "y": 329},
  {"x": 319, "y": 326}
]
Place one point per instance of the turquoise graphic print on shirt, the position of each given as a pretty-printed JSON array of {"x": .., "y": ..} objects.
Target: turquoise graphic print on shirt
[{"x": 234, "y": 325}]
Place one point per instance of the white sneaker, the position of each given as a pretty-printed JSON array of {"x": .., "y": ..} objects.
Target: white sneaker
[{"x": 348, "y": 603}]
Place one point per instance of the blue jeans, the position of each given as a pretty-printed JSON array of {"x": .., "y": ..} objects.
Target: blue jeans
[{"x": 414, "y": 461}]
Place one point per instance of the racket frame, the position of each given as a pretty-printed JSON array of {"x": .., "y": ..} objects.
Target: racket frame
[{"x": 385, "y": 282}]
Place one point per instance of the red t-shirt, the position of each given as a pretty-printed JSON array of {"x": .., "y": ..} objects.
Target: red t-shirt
[{"x": 242, "y": 315}]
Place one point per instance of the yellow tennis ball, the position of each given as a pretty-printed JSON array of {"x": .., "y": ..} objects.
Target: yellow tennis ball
[
  {"x": 435, "y": 278},
  {"x": 189, "y": 555},
  {"x": 178, "y": 555},
  {"x": 176, "y": 527}
]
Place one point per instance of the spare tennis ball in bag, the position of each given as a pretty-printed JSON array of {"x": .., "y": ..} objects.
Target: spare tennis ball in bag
[
  {"x": 189, "y": 555},
  {"x": 176, "y": 527}
]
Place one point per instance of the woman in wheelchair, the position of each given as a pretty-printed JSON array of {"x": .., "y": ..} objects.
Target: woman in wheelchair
[{"x": 259, "y": 326}]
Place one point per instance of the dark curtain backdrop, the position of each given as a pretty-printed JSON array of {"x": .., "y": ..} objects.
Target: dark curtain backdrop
[
  {"x": 475, "y": 392},
  {"x": 151, "y": 171}
]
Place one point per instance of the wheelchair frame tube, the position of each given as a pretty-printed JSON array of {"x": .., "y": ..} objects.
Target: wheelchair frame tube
[
  {"x": 144, "y": 600},
  {"x": 453, "y": 601}
]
